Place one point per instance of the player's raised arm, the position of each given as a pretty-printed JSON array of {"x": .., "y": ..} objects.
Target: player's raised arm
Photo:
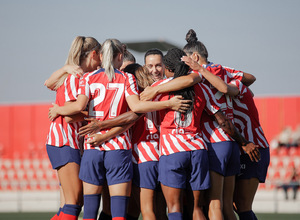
[{"x": 55, "y": 80}]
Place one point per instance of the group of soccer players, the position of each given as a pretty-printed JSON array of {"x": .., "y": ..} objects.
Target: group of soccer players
[{"x": 177, "y": 138}]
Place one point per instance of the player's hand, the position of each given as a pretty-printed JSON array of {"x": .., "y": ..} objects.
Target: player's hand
[
  {"x": 93, "y": 127},
  {"x": 252, "y": 151},
  {"x": 191, "y": 63},
  {"x": 148, "y": 94},
  {"x": 53, "y": 112},
  {"x": 177, "y": 103},
  {"x": 96, "y": 139},
  {"x": 74, "y": 70}
]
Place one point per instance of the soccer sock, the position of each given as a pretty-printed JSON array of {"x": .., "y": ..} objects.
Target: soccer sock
[
  {"x": 248, "y": 215},
  {"x": 71, "y": 212},
  {"x": 104, "y": 216},
  {"x": 129, "y": 217},
  {"x": 118, "y": 206},
  {"x": 91, "y": 206},
  {"x": 175, "y": 216},
  {"x": 60, "y": 213},
  {"x": 56, "y": 216}
]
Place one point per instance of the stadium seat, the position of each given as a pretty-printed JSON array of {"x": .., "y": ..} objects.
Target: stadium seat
[
  {"x": 279, "y": 164},
  {"x": 283, "y": 151}
]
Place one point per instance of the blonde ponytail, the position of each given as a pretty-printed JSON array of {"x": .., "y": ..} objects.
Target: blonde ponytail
[
  {"x": 79, "y": 50},
  {"x": 110, "y": 49}
]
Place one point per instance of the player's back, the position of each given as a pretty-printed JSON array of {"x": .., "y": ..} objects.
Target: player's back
[{"x": 107, "y": 99}]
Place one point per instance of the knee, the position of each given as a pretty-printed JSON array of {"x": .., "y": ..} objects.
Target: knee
[
  {"x": 243, "y": 205},
  {"x": 215, "y": 204}
]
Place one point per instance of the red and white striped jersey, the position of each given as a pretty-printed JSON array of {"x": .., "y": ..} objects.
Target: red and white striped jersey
[
  {"x": 108, "y": 100},
  {"x": 62, "y": 133},
  {"x": 224, "y": 100},
  {"x": 246, "y": 117},
  {"x": 182, "y": 132},
  {"x": 211, "y": 131},
  {"x": 145, "y": 138}
]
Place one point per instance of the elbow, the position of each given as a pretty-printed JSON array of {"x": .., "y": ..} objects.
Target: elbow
[
  {"x": 48, "y": 85},
  {"x": 190, "y": 82},
  {"x": 68, "y": 119},
  {"x": 249, "y": 79},
  {"x": 224, "y": 89},
  {"x": 136, "y": 109}
]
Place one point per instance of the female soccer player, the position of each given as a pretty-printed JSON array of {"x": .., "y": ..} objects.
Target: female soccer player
[
  {"x": 63, "y": 143},
  {"x": 108, "y": 92},
  {"x": 222, "y": 150},
  {"x": 246, "y": 119},
  {"x": 128, "y": 58},
  {"x": 181, "y": 141}
]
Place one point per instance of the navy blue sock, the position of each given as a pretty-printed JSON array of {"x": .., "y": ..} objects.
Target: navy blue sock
[
  {"x": 91, "y": 206},
  {"x": 248, "y": 215},
  {"x": 104, "y": 216},
  {"x": 59, "y": 211},
  {"x": 175, "y": 216},
  {"x": 73, "y": 210},
  {"x": 118, "y": 206}
]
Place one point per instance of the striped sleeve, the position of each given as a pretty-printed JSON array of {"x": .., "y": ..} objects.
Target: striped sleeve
[
  {"x": 212, "y": 106},
  {"x": 84, "y": 86},
  {"x": 197, "y": 72},
  {"x": 233, "y": 73},
  {"x": 131, "y": 85},
  {"x": 239, "y": 85},
  {"x": 71, "y": 86}
]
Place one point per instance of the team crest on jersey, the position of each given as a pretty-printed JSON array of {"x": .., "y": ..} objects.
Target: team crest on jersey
[{"x": 82, "y": 82}]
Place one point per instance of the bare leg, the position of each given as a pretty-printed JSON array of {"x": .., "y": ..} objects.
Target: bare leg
[
  {"x": 173, "y": 199},
  {"x": 198, "y": 205},
  {"x": 121, "y": 189},
  {"x": 134, "y": 209},
  {"x": 146, "y": 201},
  {"x": 244, "y": 193},
  {"x": 215, "y": 196},
  {"x": 106, "y": 200},
  {"x": 228, "y": 190},
  {"x": 160, "y": 206},
  {"x": 62, "y": 198},
  {"x": 71, "y": 184}
]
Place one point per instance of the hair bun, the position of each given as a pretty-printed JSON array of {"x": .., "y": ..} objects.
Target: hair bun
[
  {"x": 191, "y": 36},
  {"x": 124, "y": 47}
]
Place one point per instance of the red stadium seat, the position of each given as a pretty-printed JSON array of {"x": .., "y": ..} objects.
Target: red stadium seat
[
  {"x": 283, "y": 151},
  {"x": 279, "y": 164},
  {"x": 276, "y": 175},
  {"x": 273, "y": 152},
  {"x": 291, "y": 163}
]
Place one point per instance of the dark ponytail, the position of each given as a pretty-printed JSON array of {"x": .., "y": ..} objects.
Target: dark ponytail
[
  {"x": 172, "y": 62},
  {"x": 193, "y": 45}
]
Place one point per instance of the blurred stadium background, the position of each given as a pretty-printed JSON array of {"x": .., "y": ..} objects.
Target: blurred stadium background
[{"x": 29, "y": 185}]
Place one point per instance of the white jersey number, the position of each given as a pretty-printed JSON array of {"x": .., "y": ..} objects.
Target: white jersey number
[{"x": 99, "y": 90}]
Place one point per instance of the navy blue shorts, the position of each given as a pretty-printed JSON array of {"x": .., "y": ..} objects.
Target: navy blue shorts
[
  {"x": 185, "y": 170},
  {"x": 60, "y": 156},
  {"x": 113, "y": 166},
  {"x": 224, "y": 157},
  {"x": 258, "y": 169},
  {"x": 145, "y": 175}
]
